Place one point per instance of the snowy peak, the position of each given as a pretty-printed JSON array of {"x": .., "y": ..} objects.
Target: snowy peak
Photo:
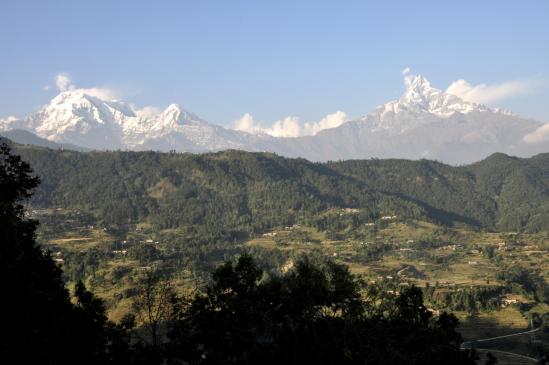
[
  {"x": 75, "y": 106},
  {"x": 170, "y": 120},
  {"x": 418, "y": 89},
  {"x": 78, "y": 100},
  {"x": 176, "y": 115},
  {"x": 75, "y": 116},
  {"x": 419, "y": 103},
  {"x": 419, "y": 93},
  {"x": 173, "y": 111},
  {"x": 74, "y": 113},
  {"x": 420, "y": 96}
]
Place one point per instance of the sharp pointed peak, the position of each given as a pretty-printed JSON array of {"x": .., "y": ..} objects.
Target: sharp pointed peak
[
  {"x": 173, "y": 106},
  {"x": 421, "y": 97},
  {"x": 78, "y": 95},
  {"x": 416, "y": 82},
  {"x": 173, "y": 111},
  {"x": 417, "y": 87}
]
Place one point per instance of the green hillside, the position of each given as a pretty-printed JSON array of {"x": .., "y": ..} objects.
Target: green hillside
[{"x": 237, "y": 193}]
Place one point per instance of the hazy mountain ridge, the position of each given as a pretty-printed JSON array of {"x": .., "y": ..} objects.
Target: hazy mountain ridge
[
  {"x": 424, "y": 122},
  {"x": 458, "y": 139},
  {"x": 21, "y": 136}
]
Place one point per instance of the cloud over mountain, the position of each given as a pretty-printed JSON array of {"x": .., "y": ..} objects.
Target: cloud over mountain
[
  {"x": 63, "y": 82},
  {"x": 489, "y": 94},
  {"x": 539, "y": 135},
  {"x": 290, "y": 126}
]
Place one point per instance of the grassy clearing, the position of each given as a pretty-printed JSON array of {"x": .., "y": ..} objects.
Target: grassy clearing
[
  {"x": 497, "y": 323},
  {"x": 81, "y": 240}
]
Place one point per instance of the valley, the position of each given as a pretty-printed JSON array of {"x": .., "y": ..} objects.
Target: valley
[
  {"x": 458, "y": 269},
  {"x": 473, "y": 238}
]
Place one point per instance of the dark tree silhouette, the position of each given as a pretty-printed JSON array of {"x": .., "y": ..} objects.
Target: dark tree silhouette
[
  {"x": 39, "y": 323},
  {"x": 154, "y": 305},
  {"x": 312, "y": 314},
  {"x": 35, "y": 304}
]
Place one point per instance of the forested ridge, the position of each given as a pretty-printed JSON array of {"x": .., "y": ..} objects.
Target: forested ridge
[{"x": 237, "y": 193}]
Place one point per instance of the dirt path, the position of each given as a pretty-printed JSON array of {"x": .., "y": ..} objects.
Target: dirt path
[
  {"x": 468, "y": 344},
  {"x": 498, "y": 337}
]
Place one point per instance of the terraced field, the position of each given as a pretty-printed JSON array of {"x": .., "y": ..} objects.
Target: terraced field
[{"x": 402, "y": 253}]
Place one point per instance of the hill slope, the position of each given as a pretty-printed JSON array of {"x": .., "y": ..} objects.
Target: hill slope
[
  {"x": 236, "y": 192},
  {"x": 25, "y": 137}
]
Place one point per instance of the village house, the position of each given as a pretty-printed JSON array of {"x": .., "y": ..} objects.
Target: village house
[{"x": 510, "y": 299}]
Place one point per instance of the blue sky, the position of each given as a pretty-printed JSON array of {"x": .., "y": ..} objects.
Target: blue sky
[{"x": 273, "y": 59}]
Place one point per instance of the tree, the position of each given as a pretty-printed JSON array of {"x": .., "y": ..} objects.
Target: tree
[
  {"x": 89, "y": 317},
  {"x": 39, "y": 322},
  {"x": 312, "y": 314},
  {"x": 155, "y": 303},
  {"x": 35, "y": 307}
]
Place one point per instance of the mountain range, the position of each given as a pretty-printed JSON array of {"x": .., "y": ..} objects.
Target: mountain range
[{"x": 424, "y": 122}]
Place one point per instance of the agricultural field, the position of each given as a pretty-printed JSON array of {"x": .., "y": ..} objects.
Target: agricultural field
[{"x": 452, "y": 265}]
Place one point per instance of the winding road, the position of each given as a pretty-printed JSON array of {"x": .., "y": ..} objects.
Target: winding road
[{"x": 468, "y": 344}]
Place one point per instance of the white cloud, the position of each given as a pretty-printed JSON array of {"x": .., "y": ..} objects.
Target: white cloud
[
  {"x": 146, "y": 111},
  {"x": 101, "y": 93},
  {"x": 488, "y": 94},
  {"x": 290, "y": 126},
  {"x": 64, "y": 83},
  {"x": 287, "y": 127},
  {"x": 406, "y": 71},
  {"x": 329, "y": 121},
  {"x": 11, "y": 118},
  {"x": 539, "y": 135},
  {"x": 247, "y": 124}
]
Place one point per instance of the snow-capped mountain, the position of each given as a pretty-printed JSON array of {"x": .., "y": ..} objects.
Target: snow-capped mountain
[
  {"x": 424, "y": 122},
  {"x": 75, "y": 117},
  {"x": 419, "y": 103},
  {"x": 177, "y": 129},
  {"x": 84, "y": 120}
]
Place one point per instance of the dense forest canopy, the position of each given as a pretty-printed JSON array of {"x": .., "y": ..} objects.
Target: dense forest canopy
[{"x": 236, "y": 193}]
